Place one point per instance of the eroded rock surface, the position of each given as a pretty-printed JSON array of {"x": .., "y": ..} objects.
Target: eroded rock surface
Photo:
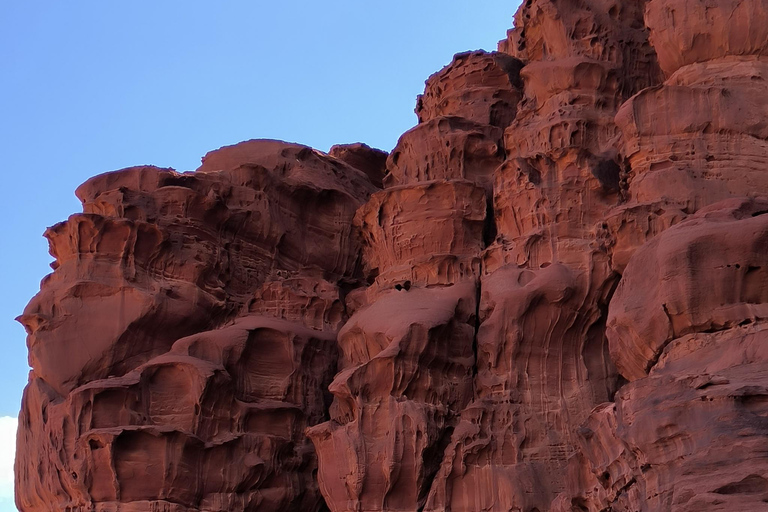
[
  {"x": 689, "y": 432},
  {"x": 409, "y": 350},
  {"x": 552, "y": 295},
  {"x": 187, "y": 336}
]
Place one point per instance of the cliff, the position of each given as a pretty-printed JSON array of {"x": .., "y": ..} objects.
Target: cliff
[{"x": 552, "y": 295}]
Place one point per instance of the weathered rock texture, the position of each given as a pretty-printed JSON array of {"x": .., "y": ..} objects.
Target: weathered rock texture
[
  {"x": 552, "y": 295},
  {"x": 187, "y": 336}
]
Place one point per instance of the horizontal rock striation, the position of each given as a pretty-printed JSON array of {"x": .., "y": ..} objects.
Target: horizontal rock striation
[
  {"x": 186, "y": 338},
  {"x": 685, "y": 322},
  {"x": 409, "y": 351}
]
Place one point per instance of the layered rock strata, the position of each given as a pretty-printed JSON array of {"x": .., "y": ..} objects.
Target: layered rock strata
[
  {"x": 684, "y": 326},
  {"x": 550, "y": 296},
  {"x": 543, "y": 359},
  {"x": 187, "y": 336},
  {"x": 687, "y": 326},
  {"x": 409, "y": 351}
]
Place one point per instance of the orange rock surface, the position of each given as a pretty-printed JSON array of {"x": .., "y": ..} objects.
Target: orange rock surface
[{"x": 551, "y": 295}]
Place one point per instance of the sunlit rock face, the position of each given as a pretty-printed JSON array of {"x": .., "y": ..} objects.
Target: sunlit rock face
[{"x": 551, "y": 295}]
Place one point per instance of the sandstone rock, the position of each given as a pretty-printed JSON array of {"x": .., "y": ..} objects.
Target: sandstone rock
[
  {"x": 684, "y": 434},
  {"x": 689, "y": 31},
  {"x": 685, "y": 319},
  {"x": 662, "y": 295},
  {"x": 187, "y": 336},
  {"x": 446, "y": 148},
  {"x": 479, "y": 86},
  {"x": 216, "y": 424},
  {"x": 542, "y": 363},
  {"x": 371, "y": 161},
  {"x": 629, "y": 226},
  {"x": 688, "y": 437},
  {"x": 551, "y": 296},
  {"x": 562, "y": 173},
  {"x": 400, "y": 387},
  {"x": 604, "y": 31},
  {"x": 542, "y": 359},
  {"x": 699, "y": 138},
  {"x": 427, "y": 234},
  {"x": 403, "y": 384},
  {"x": 159, "y": 255}
]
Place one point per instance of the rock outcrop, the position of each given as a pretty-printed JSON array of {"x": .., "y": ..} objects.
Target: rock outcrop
[
  {"x": 687, "y": 325},
  {"x": 687, "y": 433},
  {"x": 552, "y": 295},
  {"x": 187, "y": 336},
  {"x": 409, "y": 350}
]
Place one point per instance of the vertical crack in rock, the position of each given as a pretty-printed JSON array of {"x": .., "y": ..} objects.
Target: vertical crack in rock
[
  {"x": 288, "y": 330},
  {"x": 478, "y": 297},
  {"x": 433, "y": 457},
  {"x": 544, "y": 278},
  {"x": 403, "y": 385},
  {"x": 489, "y": 235},
  {"x": 595, "y": 352},
  {"x": 489, "y": 230}
]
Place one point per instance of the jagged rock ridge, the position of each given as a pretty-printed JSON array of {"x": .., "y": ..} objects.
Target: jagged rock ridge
[{"x": 550, "y": 296}]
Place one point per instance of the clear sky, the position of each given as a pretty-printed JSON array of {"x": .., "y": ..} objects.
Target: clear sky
[{"x": 92, "y": 86}]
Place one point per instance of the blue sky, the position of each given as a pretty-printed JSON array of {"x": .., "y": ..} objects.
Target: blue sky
[{"x": 87, "y": 87}]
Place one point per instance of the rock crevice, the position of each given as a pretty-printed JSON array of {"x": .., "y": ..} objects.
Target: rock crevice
[{"x": 551, "y": 295}]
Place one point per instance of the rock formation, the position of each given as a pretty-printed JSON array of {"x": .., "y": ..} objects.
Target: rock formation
[
  {"x": 552, "y": 295},
  {"x": 187, "y": 336}
]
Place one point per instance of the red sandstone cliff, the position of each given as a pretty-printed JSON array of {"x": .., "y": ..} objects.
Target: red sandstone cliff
[{"x": 552, "y": 295}]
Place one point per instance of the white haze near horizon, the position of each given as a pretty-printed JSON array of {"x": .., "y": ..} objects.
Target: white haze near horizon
[{"x": 7, "y": 452}]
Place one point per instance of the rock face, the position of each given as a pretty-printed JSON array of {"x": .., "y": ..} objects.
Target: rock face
[
  {"x": 687, "y": 326},
  {"x": 552, "y": 295},
  {"x": 187, "y": 336}
]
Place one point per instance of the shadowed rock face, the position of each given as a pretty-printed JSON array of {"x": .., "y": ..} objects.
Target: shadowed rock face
[
  {"x": 187, "y": 336},
  {"x": 479, "y": 86},
  {"x": 552, "y": 295}
]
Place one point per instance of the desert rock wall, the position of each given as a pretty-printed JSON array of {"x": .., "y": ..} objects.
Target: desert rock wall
[{"x": 551, "y": 295}]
